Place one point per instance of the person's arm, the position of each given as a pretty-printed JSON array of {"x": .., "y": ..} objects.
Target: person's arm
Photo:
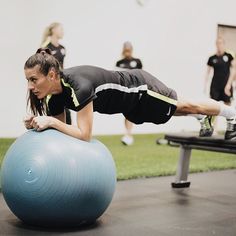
[
  {"x": 84, "y": 121},
  {"x": 207, "y": 76},
  {"x": 228, "y": 86}
]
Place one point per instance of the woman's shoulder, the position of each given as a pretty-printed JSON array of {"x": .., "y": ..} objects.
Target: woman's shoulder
[
  {"x": 83, "y": 73},
  {"x": 51, "y": 46}
]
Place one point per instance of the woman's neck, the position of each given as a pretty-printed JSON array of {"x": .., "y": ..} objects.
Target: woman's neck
[
  {"x": 57, "y": 87},
  {"x": 55, "y": 41},
  {"x": 220, "y": 53}
]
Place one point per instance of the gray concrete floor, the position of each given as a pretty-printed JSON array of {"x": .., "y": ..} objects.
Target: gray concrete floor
[{"x": 150, "y": 207}]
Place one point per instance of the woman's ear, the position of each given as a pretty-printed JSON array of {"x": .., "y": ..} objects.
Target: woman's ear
[{"x": 52, "y": 75}]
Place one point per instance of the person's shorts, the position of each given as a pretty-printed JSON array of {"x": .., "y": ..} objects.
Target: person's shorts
[
  {"x": 156, "y": 105},
  {"x": 219, "y": 95}
]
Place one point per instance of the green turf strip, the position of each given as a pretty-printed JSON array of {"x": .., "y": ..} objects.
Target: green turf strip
[{"x": 146, "y": 159}]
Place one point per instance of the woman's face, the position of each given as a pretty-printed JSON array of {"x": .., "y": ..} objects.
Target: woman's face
[
  {"x": 39, "y": 84},
  {"x": 220, "y": 45},
  {"x": 127, "y": 52},
  {"x": 58, "y": 31}
]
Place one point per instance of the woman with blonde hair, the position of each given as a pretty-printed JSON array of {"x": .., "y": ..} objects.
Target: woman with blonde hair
[
  {"x": 51, "y": 39},
  {"x": 128, "y": 62}
]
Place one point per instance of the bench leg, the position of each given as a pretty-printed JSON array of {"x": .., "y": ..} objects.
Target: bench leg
[{"x": 183, "y": 168}]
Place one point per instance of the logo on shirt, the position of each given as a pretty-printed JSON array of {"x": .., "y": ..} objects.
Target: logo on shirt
[
  {"x": 214, "y": 61},
  {"x": 122, "y": 65},
  {"x": 133, "y": 64},
  {"x": 53, "y": 52},
  {"x": 63, "y": 51},
  {"x": 225, "y": 58}
]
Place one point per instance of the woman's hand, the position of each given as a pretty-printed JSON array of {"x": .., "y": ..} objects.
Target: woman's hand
[
  {"x": 27, "y": 121},
  {"x": 84, "y": 122},
  {"x": 40, "y": 123},
  {"x": 228, "y": 90}
]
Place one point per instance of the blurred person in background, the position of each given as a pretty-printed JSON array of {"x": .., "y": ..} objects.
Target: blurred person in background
[
  {"x": 220, "y": 65},
  {"x": 51, "y": 39},
  {"x": 128, "y": 62}
]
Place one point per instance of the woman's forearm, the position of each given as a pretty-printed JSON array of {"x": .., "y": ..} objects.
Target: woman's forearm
[
  {"x": 71, "y": 130},
  {"x": 232, "y": 74},
  {"x": 231, "y": 77}
]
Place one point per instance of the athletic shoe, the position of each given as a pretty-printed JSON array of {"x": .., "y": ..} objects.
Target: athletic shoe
[
  {"x": 161, "y": 141},
  {"x": 127, "y": 140},
  {"x": 215, "y": 133},
  {"x": 206, "y": 127},
  {"x": 230, "y": 133}
]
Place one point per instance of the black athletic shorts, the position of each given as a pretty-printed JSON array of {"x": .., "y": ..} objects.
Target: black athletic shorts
[
  {"x": 156, "y": 105},
  {"x": 219, "y": 95}
]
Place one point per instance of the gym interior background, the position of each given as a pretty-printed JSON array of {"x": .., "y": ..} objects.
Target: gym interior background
[{"x": 173, "y": 38}]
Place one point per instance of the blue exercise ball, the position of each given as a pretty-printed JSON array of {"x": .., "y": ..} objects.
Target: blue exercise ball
[{"x": 49, "y": 178}]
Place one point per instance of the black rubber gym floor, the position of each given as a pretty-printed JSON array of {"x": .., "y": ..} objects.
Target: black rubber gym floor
[{"x": 150, "y": 207}]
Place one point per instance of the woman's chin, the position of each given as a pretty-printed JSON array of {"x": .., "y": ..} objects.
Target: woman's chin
[{"x": 40, "y": 96}]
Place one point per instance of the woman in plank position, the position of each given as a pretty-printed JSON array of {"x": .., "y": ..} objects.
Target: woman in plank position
[{"x": 138, "y": 95}]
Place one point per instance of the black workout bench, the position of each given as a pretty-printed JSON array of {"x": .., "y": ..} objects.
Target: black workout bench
[{"x": 187, "y": 142}]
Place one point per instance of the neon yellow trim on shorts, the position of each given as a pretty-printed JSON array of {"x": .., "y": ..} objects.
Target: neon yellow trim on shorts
[
  {"x": 162, "y": 97},
  {"x": 73, "y": 96}
]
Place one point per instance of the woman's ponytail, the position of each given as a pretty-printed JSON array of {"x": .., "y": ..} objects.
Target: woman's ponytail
[{"x": 46, "y": 37}]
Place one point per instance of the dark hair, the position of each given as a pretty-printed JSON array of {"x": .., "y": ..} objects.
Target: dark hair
[{"x": 45, "y": 61}]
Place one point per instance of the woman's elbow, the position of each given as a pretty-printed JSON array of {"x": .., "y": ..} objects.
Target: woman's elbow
[{"x": 86, "y": 137}]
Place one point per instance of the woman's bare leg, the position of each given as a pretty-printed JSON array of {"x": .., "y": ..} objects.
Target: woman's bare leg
[
  {"x": 207, "y": 107},
  {"x": 128, "y": 139},
  {"x": 128, "y": 126}
]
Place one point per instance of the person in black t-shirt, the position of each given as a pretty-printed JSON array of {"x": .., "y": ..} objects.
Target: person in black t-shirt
[
  {"x": 128, "y": 62},
  {"x": 51, "y": 39},
  {"x": 221, "y": 66},
  {"x": 138, "y": 95}
]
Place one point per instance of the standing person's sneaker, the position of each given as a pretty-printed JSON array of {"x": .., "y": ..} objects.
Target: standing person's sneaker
[
  {"x": 230, "y": 133},
  {"x": 206, "y": 127},
  {"x": 127, "y": 140}
]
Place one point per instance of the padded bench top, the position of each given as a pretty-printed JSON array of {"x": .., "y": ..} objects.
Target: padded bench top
[{"x": 215, "y": 143}]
